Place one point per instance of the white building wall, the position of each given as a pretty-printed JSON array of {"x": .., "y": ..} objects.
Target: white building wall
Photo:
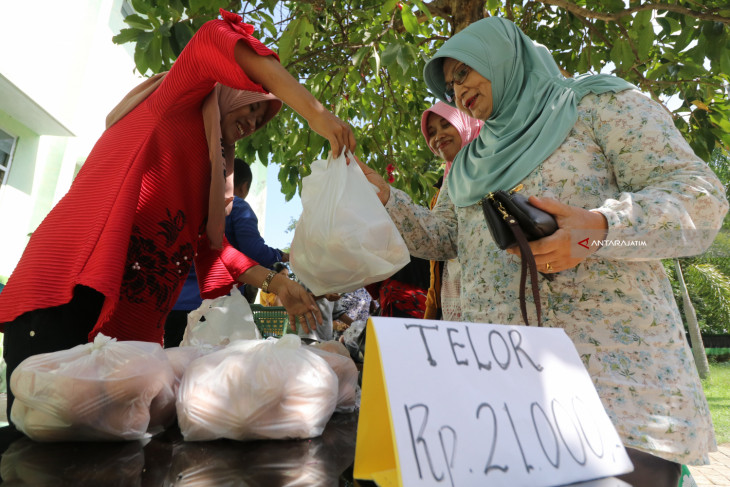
[{"x": 60, "y": 55}]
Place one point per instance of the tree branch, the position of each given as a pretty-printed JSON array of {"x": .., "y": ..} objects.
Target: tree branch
[{"x": 615, "y": 17}]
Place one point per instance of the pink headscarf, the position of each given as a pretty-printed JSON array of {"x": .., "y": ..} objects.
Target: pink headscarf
[{"x": 467, "y": 127}]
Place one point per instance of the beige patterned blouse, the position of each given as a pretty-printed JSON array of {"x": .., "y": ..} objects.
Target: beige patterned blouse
[{"x": 625, "y": 158}]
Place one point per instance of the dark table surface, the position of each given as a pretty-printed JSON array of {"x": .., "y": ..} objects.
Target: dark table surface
[{"x": 166, "y": 460}]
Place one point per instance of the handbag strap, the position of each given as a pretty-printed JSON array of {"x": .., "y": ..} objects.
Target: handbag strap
[{"x": 528, "y": 261}]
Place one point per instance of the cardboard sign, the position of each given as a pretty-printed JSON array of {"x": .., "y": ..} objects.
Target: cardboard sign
[{"x": 458, "y": 404}]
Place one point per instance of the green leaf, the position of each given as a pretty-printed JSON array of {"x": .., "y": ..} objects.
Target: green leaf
[
  {"x": 140, "y": 59},
  {"x": 144, "y": 39},
  {"x": 612, "y": 5},
  {"x": 388, "y": 6},
  {"x": 168, "y": 55},
  {"x": 643, "y": 33},
  {"x": 621, "y": 54},
  {"x": 408, "y": 58},
  {"x": 582, "y": 65},
  {"x": 390, "y": 54},
  {"x": 268, "y": 25},
  {"x": 306, "y": 29},
  {"x": 359, "y": 55},
  {"x": 200, "y": 6},
  {"x": 126, "y": 35},
  {"x": 177, "y": 8},
  {"x": 376, "y": 56},
  {"x": 725, "y": 61},
  {"x": 669, "y": 24},
  {"x": 182, "y": 33},
  {"x": 422, "y": 7},
  {"x": 138, "y": 22},
  {"x": 141, "y": 6},
  {"x": 409, "y": 20},
  {"x": 684, "y": 37},
  {"x": 286, "y": 43},
  {"x": 721, "y": 121},
  {"x": 153, "y": 55}
]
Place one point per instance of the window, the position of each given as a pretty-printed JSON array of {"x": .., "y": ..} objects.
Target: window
[
  {"x": 127, "y": 8},
  {"x": 7, "y": 144}
]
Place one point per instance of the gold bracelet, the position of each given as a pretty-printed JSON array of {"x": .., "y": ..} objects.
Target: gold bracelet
[{"x": 267, "y": 281}]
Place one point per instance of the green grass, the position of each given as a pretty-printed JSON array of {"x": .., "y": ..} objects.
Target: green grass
[{"x": 717, "y": 391}]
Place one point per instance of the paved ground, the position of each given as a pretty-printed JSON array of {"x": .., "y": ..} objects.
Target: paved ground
[{"x": 718, "y": 472}]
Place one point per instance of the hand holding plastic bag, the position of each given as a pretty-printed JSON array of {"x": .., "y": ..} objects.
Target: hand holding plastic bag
[{"x": 344, "y": 238}]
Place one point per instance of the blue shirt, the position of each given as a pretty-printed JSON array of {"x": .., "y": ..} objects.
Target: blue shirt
[{"x": 242, "y": 231}]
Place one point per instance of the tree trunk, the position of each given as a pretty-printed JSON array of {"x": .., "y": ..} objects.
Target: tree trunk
[
  {"x": 460, "y": 13},
  {"x": 698, "y": 348}
]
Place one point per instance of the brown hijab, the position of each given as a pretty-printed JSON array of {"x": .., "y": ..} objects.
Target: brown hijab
[{"x": 221, "y": 101}]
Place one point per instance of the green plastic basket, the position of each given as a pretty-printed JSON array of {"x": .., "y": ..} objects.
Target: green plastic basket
[{"x": 272, "y": 321}]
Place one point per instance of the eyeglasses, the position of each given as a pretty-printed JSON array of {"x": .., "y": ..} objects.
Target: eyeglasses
[{"x": 459, "y": 75}]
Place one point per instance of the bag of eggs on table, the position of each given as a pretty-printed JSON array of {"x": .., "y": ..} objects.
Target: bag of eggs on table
[
  {"x": 105, "y": 390},
  {"x": 182, "y": 356},
  {"x": 257, "y": 389},
  {"x": 337, "y": 356}
]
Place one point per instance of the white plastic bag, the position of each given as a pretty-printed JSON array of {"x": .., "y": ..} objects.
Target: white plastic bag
[
  {"x": 337, "y": 356},
  {"x": 181, "y": 357},
  {"x": 227, "y": 318},
  {"x": 105, "y": 390},
  {"x": 257, "y": 389},
  {"x": 344, "y": 239}
]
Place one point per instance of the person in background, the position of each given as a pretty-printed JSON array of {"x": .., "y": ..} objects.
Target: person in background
[
  {"x": 357, "y": 304},
  {"x": 403, "y": 294},
  {"x": 446, "y": 131},
  {"x": 242, "y": 229},
  {"x": 604, "y": 160},
  {"x": 112, "y": 256},
  {"x": 332, "y": 310},
  {"x": 242, "y": 233}
]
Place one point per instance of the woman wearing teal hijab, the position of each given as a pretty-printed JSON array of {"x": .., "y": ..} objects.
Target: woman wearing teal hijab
[{"x": 612, "y": 168}]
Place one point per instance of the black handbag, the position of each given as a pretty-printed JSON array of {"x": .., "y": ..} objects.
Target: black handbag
[
  {"x": 512, "y": 220},
  {"x": 501, "y": 205}
]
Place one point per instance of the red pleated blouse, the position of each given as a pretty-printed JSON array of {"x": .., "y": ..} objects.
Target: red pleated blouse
[{"x": 133, "y": 221}]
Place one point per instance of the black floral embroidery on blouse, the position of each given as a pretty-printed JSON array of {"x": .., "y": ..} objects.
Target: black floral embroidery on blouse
[
  {"x": 152, "y": 272},
  {"x": 172, "y": 227}
]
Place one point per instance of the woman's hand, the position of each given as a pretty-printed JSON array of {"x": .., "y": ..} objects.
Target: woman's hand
[
  {"x": 298, "y": 302},
  {"x": 563, "y": 250},
  {"x": 377, "y": 180},
  {"x": 333, "y": 129},
  {"x": 269, "y": 73}
]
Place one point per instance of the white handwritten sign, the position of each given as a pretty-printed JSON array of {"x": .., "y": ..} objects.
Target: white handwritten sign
[{"x": 461, "y": 404}]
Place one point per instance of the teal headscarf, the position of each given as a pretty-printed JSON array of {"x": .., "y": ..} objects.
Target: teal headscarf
[{"x": 534, "y": 105}]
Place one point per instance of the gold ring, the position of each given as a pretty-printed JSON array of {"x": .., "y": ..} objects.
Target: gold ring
[{"x": 548, "y": 267}]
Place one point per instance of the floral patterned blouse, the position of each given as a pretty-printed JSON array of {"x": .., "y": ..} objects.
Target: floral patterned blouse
[{"x": 625, "y": 158}]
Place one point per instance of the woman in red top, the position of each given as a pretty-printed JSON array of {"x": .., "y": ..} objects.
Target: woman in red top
[{"x": 112, "y": 255}]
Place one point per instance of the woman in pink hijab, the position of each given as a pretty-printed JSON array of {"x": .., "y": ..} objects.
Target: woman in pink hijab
[{"x": 446, "y": 131}]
